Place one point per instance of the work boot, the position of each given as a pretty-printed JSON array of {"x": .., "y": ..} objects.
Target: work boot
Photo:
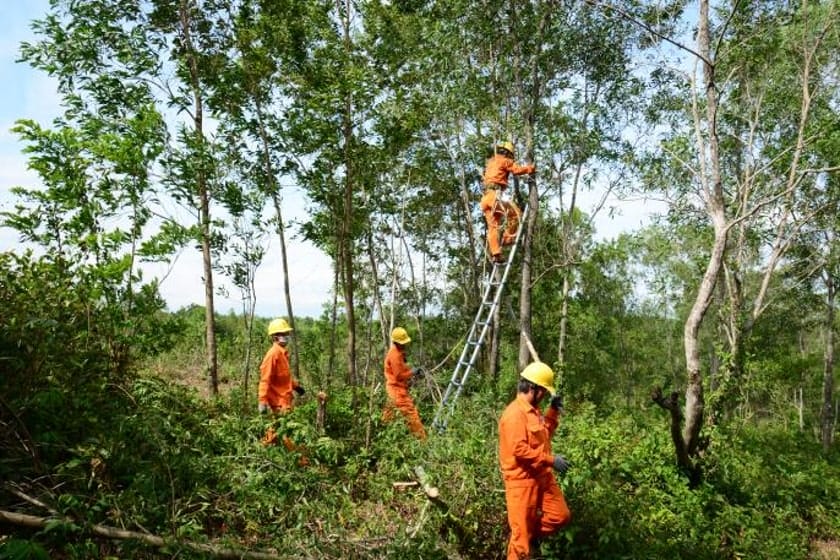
[{"x": 498, "y": 258}]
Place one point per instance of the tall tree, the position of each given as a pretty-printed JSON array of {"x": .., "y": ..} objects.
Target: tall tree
[
  {"x": 96, "y": 163},
  {"x": 778, "y": 124},
  {"x": 741, "y": 142}
]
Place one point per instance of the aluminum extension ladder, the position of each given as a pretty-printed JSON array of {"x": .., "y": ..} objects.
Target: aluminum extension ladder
[{"x": 494, "y": 285}]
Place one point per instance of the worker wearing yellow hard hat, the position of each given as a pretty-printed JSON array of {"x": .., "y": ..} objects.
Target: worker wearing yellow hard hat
[
  {"x": 496, "y": 171},
  {"x": 276, "y": 388},
  {"x": 527, "y": 461},
  {"x": 397, "y": 376}
]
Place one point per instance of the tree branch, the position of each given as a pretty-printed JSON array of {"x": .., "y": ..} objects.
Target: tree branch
[
  {"x": 153, "y": 540},
  {"x": 672, "y": 405},
  {"x": 647, "y": 28}
]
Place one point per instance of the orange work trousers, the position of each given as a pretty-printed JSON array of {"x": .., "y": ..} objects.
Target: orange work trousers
[
  {"x": 398, "y": 397},
  {"x": 495, "y": 212},
  {"x": 536, "y": 509},
  {"x": 270, "y": 438}
]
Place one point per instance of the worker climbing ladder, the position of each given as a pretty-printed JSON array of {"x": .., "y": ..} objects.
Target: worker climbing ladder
[{"x": 491, "y": 300}]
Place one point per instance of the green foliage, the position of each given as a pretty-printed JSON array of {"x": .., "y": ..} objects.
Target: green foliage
[
  {"x": 179, "y": 465},
  {"x": 65, "y": 349},
  {"x": 382, "y": 124}
]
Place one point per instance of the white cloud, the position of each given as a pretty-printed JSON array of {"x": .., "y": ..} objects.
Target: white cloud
[
  {"x": 310, "y": 282},
  {"x": 33, "y": 96}
]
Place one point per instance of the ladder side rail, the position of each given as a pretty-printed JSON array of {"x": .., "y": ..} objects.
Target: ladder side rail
[
  {"x": 447, "y": 407},
  {"x": 470, "y": 338},
  {"x": 465, "y": 350},
  {"x": 461, "y": 374},
  {"x": 513, "y": 249}
]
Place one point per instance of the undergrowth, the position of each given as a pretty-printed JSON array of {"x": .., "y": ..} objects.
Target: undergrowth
[{"x": 172, "y": 463}]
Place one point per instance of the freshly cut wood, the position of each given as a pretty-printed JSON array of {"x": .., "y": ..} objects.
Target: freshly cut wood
[{"x": 423, "y": 479}]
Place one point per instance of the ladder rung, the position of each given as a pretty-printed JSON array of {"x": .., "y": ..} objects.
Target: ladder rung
[{"x": 494, "y": 283}]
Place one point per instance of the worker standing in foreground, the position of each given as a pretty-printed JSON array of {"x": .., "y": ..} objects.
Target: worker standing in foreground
[
  {"x": 535, "y": 504},
  {"x": 276, "y": 383},
  {"x": 397, "y": 375},
  {"x": 496, "y": 171}
]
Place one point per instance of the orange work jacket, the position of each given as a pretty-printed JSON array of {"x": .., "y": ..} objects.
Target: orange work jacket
[
  {"x": 276, "y": 383},
  {"x": 499, "y": 167},
  {"x": 525, "y": 441},
  {"x": 397, "y": 372}
]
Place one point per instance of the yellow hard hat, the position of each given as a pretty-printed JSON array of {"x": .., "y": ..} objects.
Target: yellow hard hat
[
  {"x": 505, "y": 146},
  {"x": 278, "y": 326},
  {"x": 540, "y": 374},
  {"x": 400, "y": 336}
]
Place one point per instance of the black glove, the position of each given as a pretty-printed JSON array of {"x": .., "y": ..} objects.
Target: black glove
[
  {"x": 557, "y": 403},
  {"x": 560, "y": 465},
  {"x": 418, "y": 372},
  {"x": 300, "y": 390}
]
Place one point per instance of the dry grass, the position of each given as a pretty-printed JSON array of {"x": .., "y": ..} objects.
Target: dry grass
[{"x": 825, "y": 550}]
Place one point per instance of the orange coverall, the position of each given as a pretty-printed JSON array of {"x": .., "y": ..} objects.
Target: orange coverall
[
  {"x": 276, "y": 383},
  {"x": 496, "y": 173},
  {"x": 397, "y": 374},
  {"x": 275, "y": 389},
  {"x": 535, "y": 503}
]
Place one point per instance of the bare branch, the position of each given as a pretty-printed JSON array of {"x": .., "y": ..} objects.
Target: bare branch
[{"x": 647, "y": 28}]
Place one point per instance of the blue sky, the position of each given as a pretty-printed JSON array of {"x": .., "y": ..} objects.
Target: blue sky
[{"x": 30, "y": 94}]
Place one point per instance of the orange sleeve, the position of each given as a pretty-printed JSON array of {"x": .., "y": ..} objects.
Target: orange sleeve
[
  {"x": 266, "y": 368},
  {"x": 522, "y": 169},
  {"x": 552, "y": 420},
  {"x": 397, "y": 371}
]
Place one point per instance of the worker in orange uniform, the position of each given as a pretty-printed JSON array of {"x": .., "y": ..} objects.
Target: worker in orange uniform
[
  {"x": 496, "y": 171},
  {"x": 276, "y": 383},
  {"x": 397, "y": 376},
  {"x": 535, "y": 503}
]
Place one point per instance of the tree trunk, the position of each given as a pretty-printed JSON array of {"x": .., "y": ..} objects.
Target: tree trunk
[
  {"x": 274, "y": 189},
  {"x": 800, "y": 407},
  {"x": 34, "y": 522},
  {"x": 249, "y": 335},
  {"x": 564, "y": 319},
  {"x": 377, "y": 298},
  {"x": 345, "y": 242},
  {"x": 472, "y": 293},
  {"x": 286, "y": 290},
  {"x": 333, "y": 328},
  {"x": 686, "y": 443},
  {"x": 204, "y": 200},
  {"x": 827, "y": 416},
  {"x": 570, "y": 248},
  {"x": 495, "y": 335}
]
